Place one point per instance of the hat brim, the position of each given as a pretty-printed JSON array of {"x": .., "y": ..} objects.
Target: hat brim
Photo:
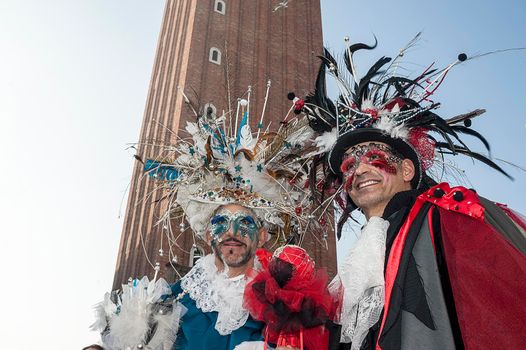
[{"x": 355, "y": 137}]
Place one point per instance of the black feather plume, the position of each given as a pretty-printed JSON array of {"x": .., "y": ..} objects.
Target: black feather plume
[
  {"x": 352, "y": 49},
  {"x": 469, "y": 131},
  {"x": 480, "y": 157},
  {"x": 361, "y": 88}
]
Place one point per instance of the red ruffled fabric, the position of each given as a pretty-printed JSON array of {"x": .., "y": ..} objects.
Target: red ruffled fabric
[
  {"x": 291, "y": 297},
  {"x": 264, "y": 257}
]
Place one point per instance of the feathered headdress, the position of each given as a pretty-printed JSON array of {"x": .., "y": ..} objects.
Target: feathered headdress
[
  {"x": 387, "y": 107},
  {"x": 384, "y": 106},
  {"x": 224, "y": 161}
]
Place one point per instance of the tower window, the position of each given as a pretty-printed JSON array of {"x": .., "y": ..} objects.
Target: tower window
[
  {"x": 210, "y": 110},
  {"x": 195, "y": 254},
  {"x": 219, "y": 6},
  {"x": 215, "y": 55}
]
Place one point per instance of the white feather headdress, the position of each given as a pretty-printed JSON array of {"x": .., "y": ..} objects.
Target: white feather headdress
[{"x": 224, "y": 161}]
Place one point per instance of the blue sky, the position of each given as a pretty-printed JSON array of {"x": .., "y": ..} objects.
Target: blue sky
[{"x": 73, "y": 82}]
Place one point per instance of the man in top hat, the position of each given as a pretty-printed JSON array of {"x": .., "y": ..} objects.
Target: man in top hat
[{"x": 435, "y": 266}]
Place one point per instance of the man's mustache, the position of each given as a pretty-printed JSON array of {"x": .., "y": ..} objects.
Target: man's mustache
[{"x": 231, "y": 240}]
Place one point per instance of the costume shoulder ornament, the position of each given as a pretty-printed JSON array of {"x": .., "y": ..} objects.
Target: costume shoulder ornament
[{"x": 139, "y": 316}]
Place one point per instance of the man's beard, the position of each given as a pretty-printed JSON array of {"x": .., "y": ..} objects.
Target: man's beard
[
  {"x": 241, "y": 261},
  {"x": 371, "y": 201}
]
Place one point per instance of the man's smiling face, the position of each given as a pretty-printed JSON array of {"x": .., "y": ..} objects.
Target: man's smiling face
[{"x": 373, "y": 174}]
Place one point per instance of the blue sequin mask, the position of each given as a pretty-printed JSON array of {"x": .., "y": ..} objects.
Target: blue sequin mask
[{"x": 242, "y": 224}]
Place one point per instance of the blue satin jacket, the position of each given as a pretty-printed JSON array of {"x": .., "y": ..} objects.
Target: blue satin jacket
[{"x": 197, "y": 332}]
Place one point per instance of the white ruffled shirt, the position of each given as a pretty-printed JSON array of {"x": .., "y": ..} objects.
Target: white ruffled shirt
[
  {"x": 215, "y": 291},
  {"x": 362, "y": 278}
]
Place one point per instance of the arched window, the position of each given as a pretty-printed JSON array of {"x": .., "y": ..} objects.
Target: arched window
[
  {"x": 215, "y": 55},
  {"x": 196, "y": 253},
  {"x": 220, "y": 7},
  {"x": 210, "y": 110}
]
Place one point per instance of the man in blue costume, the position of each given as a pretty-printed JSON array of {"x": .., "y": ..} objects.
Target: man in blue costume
[
  {"x": 230, "y": 185},
  {"x": 205, "y": 308}
]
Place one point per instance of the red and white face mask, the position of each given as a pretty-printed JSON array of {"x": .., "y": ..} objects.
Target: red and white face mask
[{"x": 377, "y": 155}]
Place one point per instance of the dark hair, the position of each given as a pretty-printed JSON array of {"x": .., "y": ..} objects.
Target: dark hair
[{"x": 93, "y": 346}]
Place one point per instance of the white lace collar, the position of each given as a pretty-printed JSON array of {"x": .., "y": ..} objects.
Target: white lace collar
[
  {"x": 214, "y": 291},
  {"x": 362, "y": 278}
]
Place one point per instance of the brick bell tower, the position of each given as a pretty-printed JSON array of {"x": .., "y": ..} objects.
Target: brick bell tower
[{"x": 207, "y": 48}]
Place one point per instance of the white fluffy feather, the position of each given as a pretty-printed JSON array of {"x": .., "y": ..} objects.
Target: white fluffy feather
[
  {"x": 325, "y": 141},
  {"x": 103, "y": 311},
  {"x": 167, "y": 328},
  {"x": 387, "y": 125},
  {"x": 192, "y": 128},
  {"x": 129, "y": 326},
  {"x": 367, "y": 104},
  {"x": 199, "y": 139},
  {"x": 300, "y": 136}
]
